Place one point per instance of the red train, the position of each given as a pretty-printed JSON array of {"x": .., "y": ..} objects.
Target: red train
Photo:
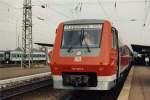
[{"x": 88, "y": 55}]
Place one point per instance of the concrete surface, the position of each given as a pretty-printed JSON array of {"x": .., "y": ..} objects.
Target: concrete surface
[
  {"x": 140, "y": 88},
  {"x": 127, "y": 86}
]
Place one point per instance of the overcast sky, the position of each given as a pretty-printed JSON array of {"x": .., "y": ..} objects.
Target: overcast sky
[{"x": 128, "y": 16}]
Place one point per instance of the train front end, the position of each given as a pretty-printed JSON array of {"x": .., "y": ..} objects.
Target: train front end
[{"x": 80, "y": 58}]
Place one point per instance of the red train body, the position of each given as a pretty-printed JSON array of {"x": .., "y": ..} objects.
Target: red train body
[{"x": 87, "y": 55}]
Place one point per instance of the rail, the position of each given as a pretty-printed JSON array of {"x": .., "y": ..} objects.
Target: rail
[{"x": 15, "y": 86}]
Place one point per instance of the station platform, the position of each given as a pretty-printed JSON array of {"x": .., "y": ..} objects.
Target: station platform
[
  {"x": 137, "y": 84},
  {"x": 140, "y": 87},
  {"x": 12, "y": 77},
  {"x": 7, "y": 71},
  {"x": 23, "y": 80}
]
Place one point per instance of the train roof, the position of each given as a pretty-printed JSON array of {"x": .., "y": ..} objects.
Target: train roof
[
  {"x": 18, "y": 49},
  {"x": 84, "y": 21},
  {"x": 140, "y": 48}
]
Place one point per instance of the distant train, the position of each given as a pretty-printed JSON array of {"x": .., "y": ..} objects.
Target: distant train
[
  {"x": 88, "y": 55},
  {"x": 15, "y": 56},
  {"x": 2, "y": 56}
]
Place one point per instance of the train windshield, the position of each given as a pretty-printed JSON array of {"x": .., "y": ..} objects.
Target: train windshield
[{"x": 81, "y": 36}]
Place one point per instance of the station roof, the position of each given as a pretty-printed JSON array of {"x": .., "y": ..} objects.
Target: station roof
[
  {"x": 45, "y": 44},
  {"x": 18, "y": 49},
  {"x": 140, "y": 48}
]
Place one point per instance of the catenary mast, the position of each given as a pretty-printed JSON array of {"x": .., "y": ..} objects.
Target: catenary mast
[{"x": 27, "y": 34}]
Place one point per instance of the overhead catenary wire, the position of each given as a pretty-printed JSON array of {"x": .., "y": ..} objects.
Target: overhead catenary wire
[
  {"x": 14, "y": 8},
  {"x": 146, "y": 13},
  {"x": 103, "y": 9},
  {"x": 9, "y": 5},
  {"x": 148, "y": 21},
  {"x": 12, "y": 17},
  {"x": 104, "y": 1},
  {"x": 59, "y": 12},
  {"x": 116, "y": 12},
  {"x": 6, "y": 4},
  {"x": 78, "y": 8},
  {"x": 63, "y": 14}
]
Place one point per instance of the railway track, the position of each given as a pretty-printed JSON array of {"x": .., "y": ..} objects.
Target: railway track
[
  {"x": 91, "y": 95},
  {"x": 23, "y": 89},
  {"x": 9, "y": 65},
  {"x": 72, "y": 95}
]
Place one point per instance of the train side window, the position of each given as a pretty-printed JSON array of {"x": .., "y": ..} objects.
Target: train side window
[
  {"x": 127, "y": 51},
  {"x": 121, "y": 50},
  {"x": 13, "y": 55},
  {"x": 114, "y": 39}
]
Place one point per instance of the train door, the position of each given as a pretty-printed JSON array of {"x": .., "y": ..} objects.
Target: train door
[{"x": 116, "y": 47}]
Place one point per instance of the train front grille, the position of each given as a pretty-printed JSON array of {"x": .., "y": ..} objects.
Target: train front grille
[{"x": 79, "y": 79}]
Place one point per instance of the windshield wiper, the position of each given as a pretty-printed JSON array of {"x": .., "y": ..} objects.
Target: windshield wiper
[
  {"x": 83, "y": 38},
  {"x": 69, "y": 49}
]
